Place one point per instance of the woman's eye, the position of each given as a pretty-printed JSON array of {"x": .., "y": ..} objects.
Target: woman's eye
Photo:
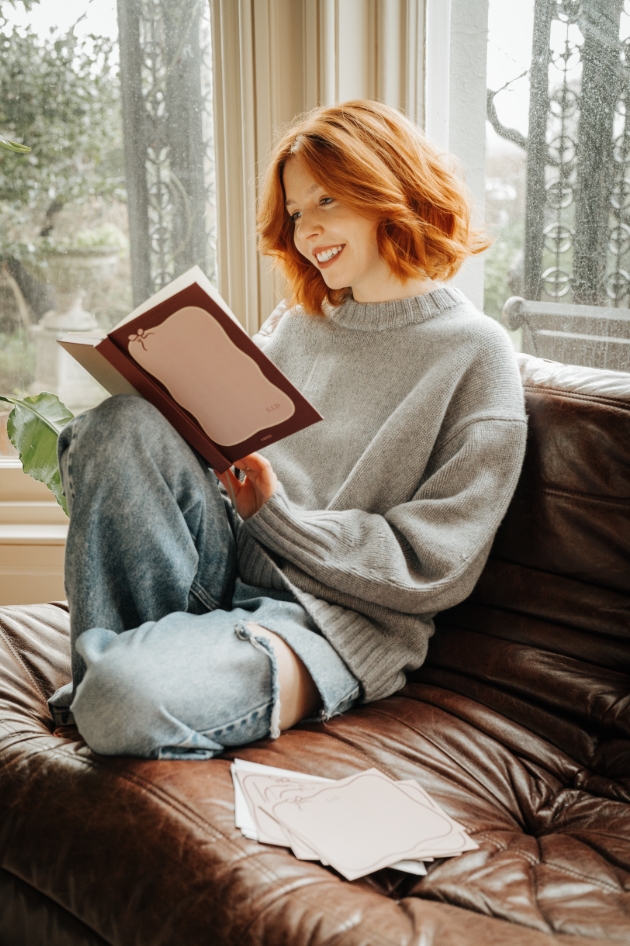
[
  {"x": 295, "y": 216},
  {"x": 327, "y": 200}
]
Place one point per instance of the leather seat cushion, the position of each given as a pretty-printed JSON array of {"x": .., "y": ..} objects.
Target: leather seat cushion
[{"x": 147, "y": 852}]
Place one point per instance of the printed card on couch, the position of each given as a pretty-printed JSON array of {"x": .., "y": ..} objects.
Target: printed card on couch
[{"x": 356, "y": 825}]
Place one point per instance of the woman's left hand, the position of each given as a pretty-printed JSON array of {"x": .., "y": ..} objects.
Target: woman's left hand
[{"x": 259, "y": 485}]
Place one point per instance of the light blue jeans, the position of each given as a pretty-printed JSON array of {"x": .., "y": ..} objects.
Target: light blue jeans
[{"x": 163, "y": 663}]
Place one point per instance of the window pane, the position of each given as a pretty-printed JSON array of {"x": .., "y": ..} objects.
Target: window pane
[
  {"x": 116, "y": 197},
  {"x": 509, "y": 58},
  {"x": 558, "y": 181}
]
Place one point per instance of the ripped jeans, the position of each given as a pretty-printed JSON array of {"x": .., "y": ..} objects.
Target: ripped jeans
[{"x": 163, "y": 663}]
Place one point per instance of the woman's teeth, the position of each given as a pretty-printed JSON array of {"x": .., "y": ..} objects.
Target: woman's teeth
[{"x": 328, "y": 254}]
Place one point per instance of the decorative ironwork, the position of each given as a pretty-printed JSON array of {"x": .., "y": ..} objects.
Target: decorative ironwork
[
  {"x": 577, "y": 227},
  {"x": 166, "y": 79}
]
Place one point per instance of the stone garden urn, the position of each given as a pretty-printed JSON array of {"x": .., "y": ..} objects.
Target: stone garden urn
[{"x": 71, "y": 272}]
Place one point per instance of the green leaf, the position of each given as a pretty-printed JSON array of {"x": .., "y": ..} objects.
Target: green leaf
[
  {"x": 13, "y": 145},
  {"x": 34, "y": 426}
]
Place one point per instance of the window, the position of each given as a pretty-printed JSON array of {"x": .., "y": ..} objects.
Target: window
[
  {"x": 116, "y": 197},
  {"x": 557, "y": 176}
]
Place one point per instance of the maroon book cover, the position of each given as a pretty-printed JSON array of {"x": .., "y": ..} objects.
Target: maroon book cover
[{"x": 200, "y": 368}]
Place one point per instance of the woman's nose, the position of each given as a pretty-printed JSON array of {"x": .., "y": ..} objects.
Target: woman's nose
[{"x": 310, "y": 225}]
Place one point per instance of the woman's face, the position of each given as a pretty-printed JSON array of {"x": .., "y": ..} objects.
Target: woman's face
[{"x": 333, "y": 237}]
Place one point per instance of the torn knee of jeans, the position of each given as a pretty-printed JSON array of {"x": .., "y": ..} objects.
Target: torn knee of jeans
[
  {"x": 264, "y": 645},
  {"x": 327, "y": 711}
]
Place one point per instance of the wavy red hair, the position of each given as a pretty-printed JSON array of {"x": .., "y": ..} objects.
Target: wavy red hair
[{"x": 377, "y": 162}]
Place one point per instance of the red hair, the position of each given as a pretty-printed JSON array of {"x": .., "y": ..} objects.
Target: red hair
[{"x": 380, "y": 164}]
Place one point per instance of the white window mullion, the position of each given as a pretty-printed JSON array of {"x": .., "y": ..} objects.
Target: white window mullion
[
  {"x": 456, "y": 56},
  {"x": 438, "y": 76}
]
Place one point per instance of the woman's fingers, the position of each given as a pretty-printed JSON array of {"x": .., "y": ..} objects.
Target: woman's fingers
[
  {"x": 260, "y": 484},
  {"x": 259, "y": 470},
  {"x": 254, "y": 463}
]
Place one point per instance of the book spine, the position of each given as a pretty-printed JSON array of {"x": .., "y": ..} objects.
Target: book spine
[{"x": 153, "y": 393}]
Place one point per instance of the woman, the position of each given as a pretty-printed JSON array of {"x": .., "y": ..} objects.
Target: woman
[{"x": 196, "y": 625}]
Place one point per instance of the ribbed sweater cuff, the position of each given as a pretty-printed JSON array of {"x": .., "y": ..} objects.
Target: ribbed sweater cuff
[{"x": 275, "y": 527}]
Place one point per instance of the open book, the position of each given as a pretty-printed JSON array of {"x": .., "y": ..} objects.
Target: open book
[{"x": 185, "y": 352}]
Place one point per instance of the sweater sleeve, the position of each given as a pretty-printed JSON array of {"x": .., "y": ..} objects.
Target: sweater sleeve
[{"x": 422, "y": 555}]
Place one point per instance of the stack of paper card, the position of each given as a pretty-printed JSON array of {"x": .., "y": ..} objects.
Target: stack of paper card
[{"x": 356, "y": 825}]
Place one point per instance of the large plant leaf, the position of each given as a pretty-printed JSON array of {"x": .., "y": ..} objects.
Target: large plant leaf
[
  {"x": 13, "y": 145},
  {"x": 34, "y": 426}
]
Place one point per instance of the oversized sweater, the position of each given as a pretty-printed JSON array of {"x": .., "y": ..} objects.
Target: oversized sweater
[{"x": 387, "y": 508}]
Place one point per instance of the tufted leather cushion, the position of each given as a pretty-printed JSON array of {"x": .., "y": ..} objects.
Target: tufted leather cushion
[{"x": 518, "y": 724}]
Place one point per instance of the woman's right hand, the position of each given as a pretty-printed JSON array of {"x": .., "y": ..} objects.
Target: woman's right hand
[{"x": 251, "y": 494}]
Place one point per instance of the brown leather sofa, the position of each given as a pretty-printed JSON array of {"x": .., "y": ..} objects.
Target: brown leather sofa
[{"x": 518, "y": 724}]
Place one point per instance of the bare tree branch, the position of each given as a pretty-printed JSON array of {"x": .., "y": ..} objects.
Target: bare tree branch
[
  {"x": 510, "y": 134},
  {"x": 49, "y": 218}
]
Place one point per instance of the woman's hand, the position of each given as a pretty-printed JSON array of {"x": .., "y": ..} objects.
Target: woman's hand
[{"x": 259, "y": 485}]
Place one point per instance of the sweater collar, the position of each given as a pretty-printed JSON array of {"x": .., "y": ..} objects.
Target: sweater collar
[{"x": 379, "y": 316}]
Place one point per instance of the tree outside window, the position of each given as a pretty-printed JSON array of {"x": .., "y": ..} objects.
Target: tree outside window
[
  {"x": 558, "y": 195},
  {"x": 106, "y": 164}
]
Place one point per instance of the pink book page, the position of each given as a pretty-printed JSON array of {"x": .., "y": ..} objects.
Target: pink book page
[
  {"x": 363, "y": 823},
  {"x": 211, "y": 378}
]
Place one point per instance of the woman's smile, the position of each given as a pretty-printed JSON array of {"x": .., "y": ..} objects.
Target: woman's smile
[{"x": 326, "y": 256}]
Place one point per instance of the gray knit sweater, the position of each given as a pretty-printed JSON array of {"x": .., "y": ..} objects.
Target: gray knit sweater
[{"x": 387, "y": 508}]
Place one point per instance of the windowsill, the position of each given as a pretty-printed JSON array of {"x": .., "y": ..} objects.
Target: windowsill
[
  {"x": 17, "y": 487},
  {"x": 32, "y": 534},
  {"x": 33, "y": 530}
]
